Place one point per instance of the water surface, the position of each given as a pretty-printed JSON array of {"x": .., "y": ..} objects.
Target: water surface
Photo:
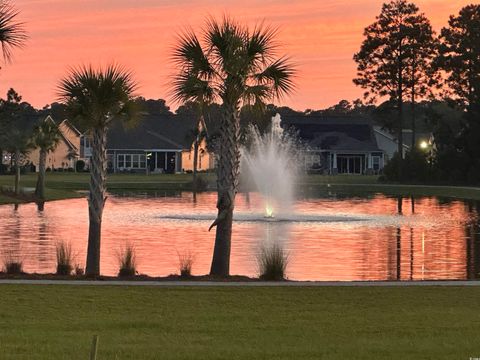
[{"x": 328, "y": 237}]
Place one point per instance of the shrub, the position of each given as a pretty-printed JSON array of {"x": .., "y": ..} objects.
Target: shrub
[
  {"x": 79, "y": 270},
  {"x": 200, "y": 184},
  {"x": 128, "y": 262},
  {"x": 414, "y": 167},
  {"x": 80, "y": 165},
  {"x": 185, "y": 261},
  {"x": 272, "y": 261},
  {"x": 64, "y": 258}
]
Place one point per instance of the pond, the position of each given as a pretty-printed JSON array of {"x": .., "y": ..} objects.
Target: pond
[{"x": 329, "y": 236}]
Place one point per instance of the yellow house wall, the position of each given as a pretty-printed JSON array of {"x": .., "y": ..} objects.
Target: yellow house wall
[
  {"x": 205, "y": 160},
  {"x": 71, "y": 135},
  {"x": 55, "y": 159},
  {"x": 59, "y": 157}
]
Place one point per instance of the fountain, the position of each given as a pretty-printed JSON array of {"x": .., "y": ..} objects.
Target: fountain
[
  {"x": 270, "y": 161},
  {"x": 270, "y": 165}
]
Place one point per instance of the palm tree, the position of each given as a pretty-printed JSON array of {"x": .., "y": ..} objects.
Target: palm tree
[
  {"x": 12, "y": 33},
  {"x": 46, "y": 137},
  {"x": 235, "y": 65},
  {"x": 95, "y": 98}
]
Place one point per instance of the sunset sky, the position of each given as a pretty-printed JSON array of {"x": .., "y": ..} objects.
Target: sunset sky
[{"x": 320, "y": 35}]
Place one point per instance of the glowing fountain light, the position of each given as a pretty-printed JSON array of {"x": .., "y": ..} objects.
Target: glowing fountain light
[{"x": 269, "y": 211}]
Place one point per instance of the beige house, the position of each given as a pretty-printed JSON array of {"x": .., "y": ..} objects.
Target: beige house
[{"x": 67, "y": 151}]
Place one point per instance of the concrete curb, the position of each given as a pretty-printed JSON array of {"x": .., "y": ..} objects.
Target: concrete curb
[{"x": 447, "y": 283}]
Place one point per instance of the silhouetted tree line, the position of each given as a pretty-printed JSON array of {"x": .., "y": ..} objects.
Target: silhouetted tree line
[{"x": 423, "y": 75}]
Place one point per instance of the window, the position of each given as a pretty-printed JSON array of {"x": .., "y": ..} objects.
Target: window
[
  {"x": 131, "y": 161},
  {"x": 376, "y": 163},
  {"x": 135, "y": 161},
  {"x": 121, "y": 161}
]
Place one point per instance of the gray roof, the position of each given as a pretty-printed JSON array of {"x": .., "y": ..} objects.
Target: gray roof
[
  {"x": 340, "y": 133},
  {"x": 154, "y": 131}
]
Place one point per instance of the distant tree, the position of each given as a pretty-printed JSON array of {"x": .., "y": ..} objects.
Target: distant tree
[
  {"x": 46, "y": 136},
  {"x": 388, "y": 63},
  {"x": 459, "y": 58},
  {"x": 237, "y": 66},
  {"x": 16, "y": 123},
  {"x": 424, "y": 76},
  {"x": 153, "y": 106},
  {"x": 12, "y": 35},
  {"x": 96, "y": 98},
  {"x": 57, "y": 111}
]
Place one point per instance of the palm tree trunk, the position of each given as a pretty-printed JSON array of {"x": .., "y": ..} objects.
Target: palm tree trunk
[
  {"x": 195, "y": 163},
  {"x": 96, "y": 199},
  {"x": 40, "y": 188},
  {"x": 17, "y": 172},
  {"x": 227, "y": 183}
]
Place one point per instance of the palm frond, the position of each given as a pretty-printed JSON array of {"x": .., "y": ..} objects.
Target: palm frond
[
  {"x": 279, "y": 75},
  {"x": 226, "y": 43},
  {"x": 256, "y": 94},
  {"x": 261, "y": 45},
  {"x": 12, "y": 33},
  {"x": 187, "y": 86},
  {"x": 96, "y": 97},
  {"x": 190, "y": 56},
  {"x": 46, "y": 135}
]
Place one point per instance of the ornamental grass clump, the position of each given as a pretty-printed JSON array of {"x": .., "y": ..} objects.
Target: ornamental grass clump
[
  {"x": 272, "y": 262},
  {"x": 128, "y": 262},
  {"x": 185, "y": 261},
  {"x": 12, "y": 264},
  {"x": 64, "y": 258}
]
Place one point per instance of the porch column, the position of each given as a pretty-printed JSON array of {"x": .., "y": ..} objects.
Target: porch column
[
  {"x": 178, "y": 162},
  {"x": 334, "y": 170}
]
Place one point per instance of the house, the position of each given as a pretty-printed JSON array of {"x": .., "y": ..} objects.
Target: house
[
  {"x": 388, "y": 142},
  {"x": 337, "y": 144},
  {"x": 160, "y": 143},
  {"x": 67, "y": 151}
]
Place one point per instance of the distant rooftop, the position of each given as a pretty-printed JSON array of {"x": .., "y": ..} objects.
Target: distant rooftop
[{"x": 341, "y": 133}]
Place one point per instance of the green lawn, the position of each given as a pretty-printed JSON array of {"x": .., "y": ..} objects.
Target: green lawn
[{"x": 58, "y": 322}]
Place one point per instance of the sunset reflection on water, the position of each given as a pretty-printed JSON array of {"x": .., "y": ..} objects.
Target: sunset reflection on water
[{"x": 430, "y": 239}]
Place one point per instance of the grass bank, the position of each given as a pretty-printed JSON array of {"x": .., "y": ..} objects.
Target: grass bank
[
  {"x": 58, "y": 322},
  {"x": 67, "y": 185},
  {"x": 353, "y": 185}
]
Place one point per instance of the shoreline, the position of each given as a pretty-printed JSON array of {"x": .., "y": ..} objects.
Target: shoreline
[{"x": 62, "y": 186}]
